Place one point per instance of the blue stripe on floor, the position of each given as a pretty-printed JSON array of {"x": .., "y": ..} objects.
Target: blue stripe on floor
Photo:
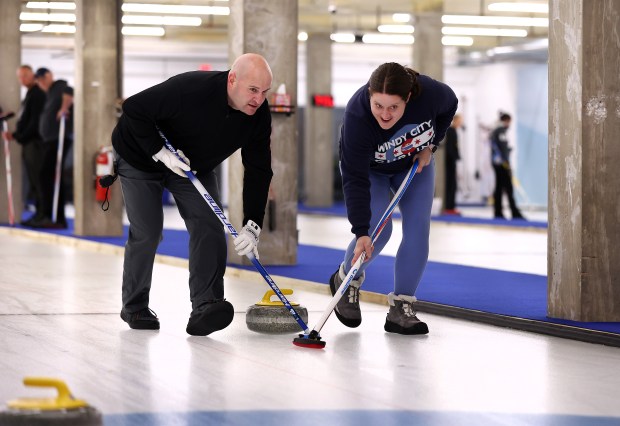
[{"x": 351, "y": 417}]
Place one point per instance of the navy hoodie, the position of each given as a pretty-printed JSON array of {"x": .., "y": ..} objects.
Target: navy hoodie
[{"x": 365, "y": 146}]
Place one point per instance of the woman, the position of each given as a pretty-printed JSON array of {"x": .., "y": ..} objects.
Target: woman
[{"x": 398, "y": 117}]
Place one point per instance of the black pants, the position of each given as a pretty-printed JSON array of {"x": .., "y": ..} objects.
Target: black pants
[
  {"x": 503, "y": 184},
  {"x": 32, "y": 157},
  {"x": 142, "y": 192},
  {"x": 47, "y": 176},
  {"x": 451, "y": 185}
]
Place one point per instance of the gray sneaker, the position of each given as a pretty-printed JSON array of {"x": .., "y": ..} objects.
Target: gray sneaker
[
  {"x": 402, "y": 317},
  {"x": 348, "y": 308}
]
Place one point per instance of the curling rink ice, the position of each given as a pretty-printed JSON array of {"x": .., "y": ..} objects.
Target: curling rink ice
[{"x": 59, "y": 317}]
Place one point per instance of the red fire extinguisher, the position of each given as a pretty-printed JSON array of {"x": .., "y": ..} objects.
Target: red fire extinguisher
[{"x": 104, "y": 162}]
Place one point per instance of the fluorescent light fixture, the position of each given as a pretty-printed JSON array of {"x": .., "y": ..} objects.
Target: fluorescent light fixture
[
  {"x": 387, "y": 38},
  {"x": 175, "y": 9},
  {"x": 47, "y": 17},
  {"x": 29, "y": 28},
  {"x": 63, "y": 5},
  {"x": 59, "y": 29},
  {"x": 401, "y": 17},
  {"x": 511, "y": 21},
  {"x": 144, "y": 31},
  {"x": 519, "y": 7},
  {"x": 496, "y": 32},
  {"x": 456, "y": 41},
  {"x": 302, "y": 36},
  {"x": 400, "y": 29},
  {"x": 188, "y": 21},
  {"x": 343, "y": 37}
]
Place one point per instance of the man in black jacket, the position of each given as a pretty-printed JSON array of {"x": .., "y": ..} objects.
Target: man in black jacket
[
  {"x": 451, "y": 157},
  {"x": 27, "y": 135},
  {"x": 206, "y": 116}
]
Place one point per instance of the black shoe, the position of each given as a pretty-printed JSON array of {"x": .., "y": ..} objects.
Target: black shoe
[
  {"x": 518, "y": 215},
  {"x": 144, "y": 319},
  {"x": 46, "y": 223},
  {"x": 500, "y": 216},
  {"x": 209, "y": 317}
]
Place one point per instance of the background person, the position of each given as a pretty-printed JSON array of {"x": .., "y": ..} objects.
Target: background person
[
  {"x": 27, "y": 135},
  {"x": 452, "y": 155},
  {"x": 397, "y": 117},
  {"x": 206, "y": 115},
  {"x": 500, "y": 157},
  {"x": 58, "y": 103}
]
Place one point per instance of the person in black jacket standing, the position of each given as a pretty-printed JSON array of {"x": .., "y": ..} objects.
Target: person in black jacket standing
[
  {"x": 27, "y": 135},
  {"x": 206, "y": 116},
  {"x": 451, "y": 157},
  {"x": 500, "y": 153},
  {"x": 58, "y": 103}
]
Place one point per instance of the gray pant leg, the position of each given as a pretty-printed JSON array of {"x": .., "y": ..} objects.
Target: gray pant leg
[
  {"x": 207, "y": 239},
  {"x": 142, "y": 193}
]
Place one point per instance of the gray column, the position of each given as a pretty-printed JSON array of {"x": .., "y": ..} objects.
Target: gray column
[
  {"x": 428, "y": 60},
  {"x": 269, "y": 28},
  {"x": 96, "y": 92},
  {"x": 318, "y": 136},
  {"x": 584, "y": 153},
  {"x": 10, "y": 49}
]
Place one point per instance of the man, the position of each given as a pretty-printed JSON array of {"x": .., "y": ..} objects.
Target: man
[
  {"x": 59, "y": 103},
  {"x": 27, "y": 134},
  {"x": 500, "y": 153},
  {"x": 451, "y": 157},
  {"x": 206, "y": 116}
]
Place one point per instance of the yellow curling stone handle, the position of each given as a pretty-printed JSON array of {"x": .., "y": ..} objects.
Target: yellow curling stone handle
[
  {"x": 269, "y": 294},
  {"x": 64, "y": 400}
]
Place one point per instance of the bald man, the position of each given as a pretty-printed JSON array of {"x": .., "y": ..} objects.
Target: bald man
[{"x": 206, "y": 116}]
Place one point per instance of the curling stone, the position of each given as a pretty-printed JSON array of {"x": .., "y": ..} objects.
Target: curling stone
[
  {"x": 271, "y": 316},
  {"x": 63, "y": 410}
]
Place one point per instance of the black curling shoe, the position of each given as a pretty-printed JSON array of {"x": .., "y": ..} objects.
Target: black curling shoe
[{"x": 209, "y": 317}]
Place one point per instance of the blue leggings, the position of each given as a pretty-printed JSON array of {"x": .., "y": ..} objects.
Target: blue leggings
[{"x": 415, "y": 207}]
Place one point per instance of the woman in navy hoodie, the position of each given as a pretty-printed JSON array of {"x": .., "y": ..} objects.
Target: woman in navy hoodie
[{"x": 397, "y": 117}]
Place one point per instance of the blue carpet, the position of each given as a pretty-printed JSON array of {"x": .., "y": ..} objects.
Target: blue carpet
[{"x": 510, "y": 294}]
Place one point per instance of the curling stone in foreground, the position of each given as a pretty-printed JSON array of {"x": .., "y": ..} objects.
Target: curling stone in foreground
[
  {"x": 63, "y": 410},
  {"x": 269, "y": 316}
]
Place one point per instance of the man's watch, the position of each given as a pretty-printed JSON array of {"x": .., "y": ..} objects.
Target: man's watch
[{"x": 433, "y": 147}]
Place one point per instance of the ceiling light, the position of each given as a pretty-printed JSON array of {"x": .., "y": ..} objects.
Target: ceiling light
[
  {"x": 496, "y": 32},
  {"x": 47, "y": 17},
  {"x": 64, "y": 5},
  {"x": 302, "y": 36},
  {"x": 401, "y": 17},
  {"x": 400, "y": 29},
  {"x": 144, "y": 31},
  {"x": 519, "y": 7},
  {"x": 189, "y": 21},
  {"x": 343, "y": 37},
  {"x": 58, "y": 28},
  {"x": 29, "y": 28},
  {"x": 387, "y": 38},
  {"x": 456, "y": 41},
  {"x": 513, "y": 21},
  {"x": 180, "y": 9}
]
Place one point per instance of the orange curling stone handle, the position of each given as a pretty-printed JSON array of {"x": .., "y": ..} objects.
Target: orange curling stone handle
[
  {"x": 266, "y": 301},
  {"x": 64, "y": 400}
]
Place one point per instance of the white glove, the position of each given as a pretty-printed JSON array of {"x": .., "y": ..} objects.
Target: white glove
[
  {"x": 172, "y": 162},
  {"x": 247, "y": 241}
]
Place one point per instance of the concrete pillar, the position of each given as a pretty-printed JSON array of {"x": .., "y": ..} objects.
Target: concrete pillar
[
  {"x": 318, "y": 141},
  {"x": 584, "y": 124},
  {"x": 428, "y": 60},
  {"x": 269, "y": 28},
  {"x": 96, "y": 92},
  {"x": 10, "y": 97}
]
